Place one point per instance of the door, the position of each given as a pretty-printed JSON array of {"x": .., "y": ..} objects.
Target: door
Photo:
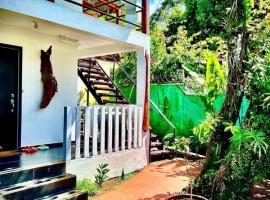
[{"x": 10, "y": 96}]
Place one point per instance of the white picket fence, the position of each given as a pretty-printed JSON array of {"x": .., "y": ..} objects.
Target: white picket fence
[{"x": 96, "y": 130}]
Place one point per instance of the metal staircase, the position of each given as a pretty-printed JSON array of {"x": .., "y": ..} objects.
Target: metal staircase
[{"x": 99, "y": 83}]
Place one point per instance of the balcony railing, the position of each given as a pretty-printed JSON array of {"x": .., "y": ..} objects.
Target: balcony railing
[
  {"x": 97, "y": 130},
  {"x": 122, "y": 12}
]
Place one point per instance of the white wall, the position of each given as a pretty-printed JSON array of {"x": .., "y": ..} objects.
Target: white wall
[
  {"x": 43, "y": 126},
  {"x": 128, "y": 160}
]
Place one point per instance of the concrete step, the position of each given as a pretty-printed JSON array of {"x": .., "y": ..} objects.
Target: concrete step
[
  {"x": 156, "y": 144},
  {"x": 69, "y": 195},
  {"x": 38, "y": 188},
  {"x": 18, "y": 175},
  {"x": 9, "y": 156},
  {"x": 153, "y": 136},
  {"x": 159, "y": 153}
]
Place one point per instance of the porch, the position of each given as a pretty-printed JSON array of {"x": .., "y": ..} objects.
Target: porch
[{"x": 79, "y": 138}]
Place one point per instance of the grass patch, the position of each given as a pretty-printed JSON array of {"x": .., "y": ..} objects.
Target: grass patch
[
  {"x": 88, "y": 186},
  {"x": 128, "y": 176}
]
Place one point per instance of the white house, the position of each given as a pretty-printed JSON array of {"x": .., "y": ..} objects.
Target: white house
[{"x": 78, "y": 29}]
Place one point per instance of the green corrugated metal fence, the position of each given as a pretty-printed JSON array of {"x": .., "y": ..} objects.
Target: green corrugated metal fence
[{"x": 184, "y": 111}]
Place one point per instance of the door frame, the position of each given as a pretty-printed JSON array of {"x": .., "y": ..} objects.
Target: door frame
[{"x": 19, "y": 92}]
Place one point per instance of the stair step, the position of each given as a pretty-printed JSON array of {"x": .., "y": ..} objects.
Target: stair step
[
  {"x": 99, "y": 82},
  {"x": 110, "y": 95},
  {"x": 19, "y": 175},
  {"x": 69, "y": 195},
  {"x": 39, "y": 187},
  {"x": 153, "y": 136},
  {"x": 96, "y": 77},
  {"x": 93, "y": 71},
  {"x": 104, "y": 88},
  {"x": 159, "y": 153},
  {"x": 93, "y": 75},
  {"x": 85, "y": 65},
  {"x": 9, "y": 156},
  {"x": 87, "y": 61},
  {"x": 116, "y": 101},
  {"x": 156, "y": 144}
]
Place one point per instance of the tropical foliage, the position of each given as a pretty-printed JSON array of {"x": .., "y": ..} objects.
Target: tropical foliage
[{"x": 214, "y": 47}]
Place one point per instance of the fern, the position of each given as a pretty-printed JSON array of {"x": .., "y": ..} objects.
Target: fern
[{"x": 254, "y": 140}]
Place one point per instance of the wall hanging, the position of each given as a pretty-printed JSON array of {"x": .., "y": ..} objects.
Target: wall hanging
[{"x": 49, "y": 81}]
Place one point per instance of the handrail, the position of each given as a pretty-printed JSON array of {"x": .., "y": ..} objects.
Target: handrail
[
  {"x": 153, "y": 104},
  {"x": 110, "y": 80},
  {"x": 163, "y": 116},
  {"x": 109, "y": 15}
]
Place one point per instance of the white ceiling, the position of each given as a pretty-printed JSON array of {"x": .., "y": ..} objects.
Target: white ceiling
[{"x": 85, "y": 40}]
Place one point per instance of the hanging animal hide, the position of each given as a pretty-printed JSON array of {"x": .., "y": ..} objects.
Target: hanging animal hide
[{"x": 49, "y": 81}]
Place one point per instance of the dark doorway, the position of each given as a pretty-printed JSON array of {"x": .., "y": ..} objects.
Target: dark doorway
[{"x": 10, "y": 96}]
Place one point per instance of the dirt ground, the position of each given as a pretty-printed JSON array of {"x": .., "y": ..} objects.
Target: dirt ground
[{"x": 154, "y": 182}]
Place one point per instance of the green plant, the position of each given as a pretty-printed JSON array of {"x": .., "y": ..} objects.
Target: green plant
[
  {"x": 250, "y": 139},
  {"x": 102, "y": 174},
  {"x": 181, "y": 144},
  {"x": 204, "y": 130},
  {"x": 168, "y": 139},
  {"x": 215, "y": 79},
  {"x": 88, "y": 186}
]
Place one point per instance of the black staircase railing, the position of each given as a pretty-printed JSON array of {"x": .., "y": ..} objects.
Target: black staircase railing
[
  {"x": 112, "y": 81},
  {"x": 92, "y": 74}
]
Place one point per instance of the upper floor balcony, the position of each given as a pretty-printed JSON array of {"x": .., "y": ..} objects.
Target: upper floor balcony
[
  {"x": 128, "y": 13},
  {"x": 123, "y": 23}
]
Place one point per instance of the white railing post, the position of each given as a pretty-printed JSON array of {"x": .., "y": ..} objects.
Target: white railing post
[
  {"x": 123, "y": 129},
  {"x": 129, "y": 126},
  {"x": 68, "y": 122},
  {"x": 140, "y": 132},
  {"x": 87, "y": 119},
  {"x": 95, "y": 130},
  {"x": 131, "y": 129},
  {"x": 116, "y": 129},
  {"x": 102, "y": 130},
  {"x": 78, "y": 133},
  {"x": 110, "y": 130},
  {"x": 135, "y": 131}
]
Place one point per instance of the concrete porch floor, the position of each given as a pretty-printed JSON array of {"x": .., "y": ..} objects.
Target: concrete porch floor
[
  {"x": 54, "y": 154},
  {"x": 155, "y": 181}
]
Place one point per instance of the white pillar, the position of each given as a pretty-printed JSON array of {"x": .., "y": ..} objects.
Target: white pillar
[
  {"x": 140, "y": 96},
  {"x": 141, "y": 81}
]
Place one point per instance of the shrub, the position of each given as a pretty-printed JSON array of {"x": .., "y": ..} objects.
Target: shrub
[
  {"x": 88, "y": 186},
  {"x": 246, "y": 162},
  {"x": 102, "y": 174}
]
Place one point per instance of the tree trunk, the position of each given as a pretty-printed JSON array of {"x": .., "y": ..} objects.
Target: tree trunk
[{"x": 237, "y": 48}]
